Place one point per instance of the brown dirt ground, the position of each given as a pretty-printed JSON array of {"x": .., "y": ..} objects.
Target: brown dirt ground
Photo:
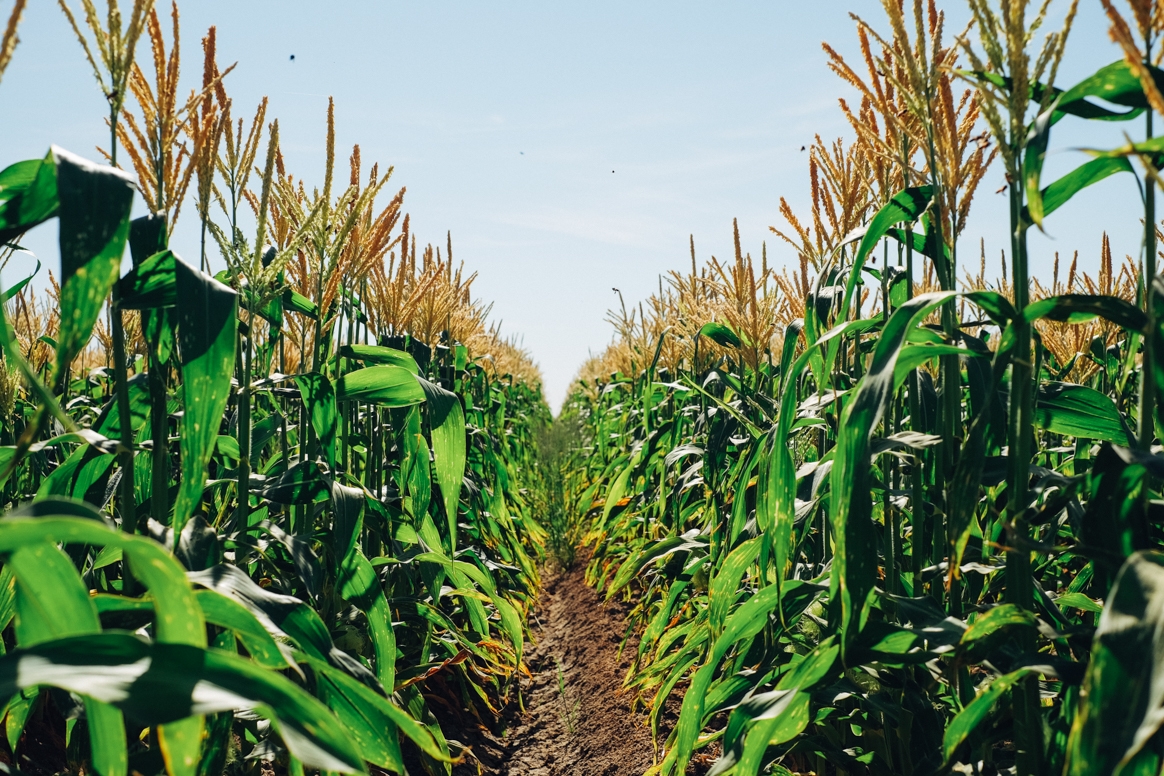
[{"x": 605, "y": 735}]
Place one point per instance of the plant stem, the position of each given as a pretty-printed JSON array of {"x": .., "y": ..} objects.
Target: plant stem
[
  {"x": 121, "y": 378},
  {"x": 1147, "y": 408},
  {"x": 159, "y": 432},
  {"x": 244, "y": 429}
]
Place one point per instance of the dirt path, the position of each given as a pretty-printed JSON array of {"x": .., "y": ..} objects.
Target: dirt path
[{"x": 589, "y": 729}]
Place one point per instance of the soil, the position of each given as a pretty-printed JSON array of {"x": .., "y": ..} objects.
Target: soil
[{"x": 577, "y": 718}]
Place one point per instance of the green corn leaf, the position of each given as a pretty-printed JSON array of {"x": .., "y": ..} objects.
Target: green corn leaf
[
  {"x": 320, "y": 396},
  {"x": 1056, "y": 195},
  {"x": 1122, "y": 704},
  {"x": 723, "y": 589},
  {"x": 691, "y": 541},
  {"x": 375, "y": 354},
  {"x": 348, "y": 504},
  {"x": 1110, "y": 83},
  {"x": 1081, "y": 308},
  {"x": 978, "y": 710},
  {"x": 777, "y": 500},
  {"x": 16, "y": 713},
  {"x": 16, "y": 178},
  {"x": 166, "y": 683},
  {"x": 283, "y": 616},
  {"x": 462, "y": 570},
  {"x": 294, "y": 301},
  {"x": 359, "y": 584},
  {"x": 743, "y": 623},
  {"x": 914, "y": 356},
  {"x": 179, "y": 618},
  {"x": 363, "y": 715},
  {"x": 11, "y": 292},
  {"x": 922, "y": 246},
  {"x": 28, "y": 196},
  {"x": 180, "y": 742},
  {"x": 106, "y": 723},
  {"x": 617, "y": 490},
  {"x": 151, "y": 284},
  {"x": 218, "y": 610},
  {"x": 373, "y": 708},
  {"x": 147, "y": 237},
  {"x": 304, "y": 483},
  {"x": 721, "y": 334},
  {"x": 94, "y": 226},
  {"x": 227, "y": 613},
  {"x": 1114, "y": 83},
  {"x": 763, "y": 720},
  {"x": 1033, "y": 156},
  {"x": 177, "y": 621},
  {"x": 905, "y": 206},
  {"x": 991, "y": 627},
  {"x": 1080, "y": 411},
  {"x": 1079, "y": 601},
  {"x": 207, "y": 325},
  {"x": 50, "y": 603},
  {"x": 816, "y": 666},
  {"x": 388, "y": 386},
  {"x": 447, "y": 424}
]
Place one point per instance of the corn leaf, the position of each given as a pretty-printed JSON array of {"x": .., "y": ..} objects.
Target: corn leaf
[{"x": 207, "y": 325}]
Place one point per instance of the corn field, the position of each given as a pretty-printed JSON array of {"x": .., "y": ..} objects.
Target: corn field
[{"x": 868, "y": 511}]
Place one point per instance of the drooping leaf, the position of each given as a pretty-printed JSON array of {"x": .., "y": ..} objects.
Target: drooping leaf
[
  {"x": 304, "y": 483},
  {"x": 976, "y": 712},
  {"x": 1063, "y": 189},
  {"x": 1079, "y": 411},
  {"x": 375, "y": 354},
  {"x": 745, "y": 622},
  {"x": 28, "y": 196},
  {"x": 151, "y": 284},
  {"x": 447, "y": 423},
  {"x": 297, "y": 302},
  {"x": 721, "y": 334},
  {"x": 375, "y": 710},
  {"x": 166, "y": 683},
  {"x": 1115, "y": 83},
  {"x": 1081, "y": 308},
  {"x": 762, "y": 720},
  {"x": 388, "y": 386},
  {"x": 94, "y": 226},
  {"x": 319, "y": 395},
  {"x": 906, "y": 206},
  {"x": 996, "y": 623},
  {"x": 207, "y": 324},
  {"x": 1122, "y": 707}
]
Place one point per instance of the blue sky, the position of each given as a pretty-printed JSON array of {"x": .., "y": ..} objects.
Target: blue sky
[{"x": 569, "y": 147}]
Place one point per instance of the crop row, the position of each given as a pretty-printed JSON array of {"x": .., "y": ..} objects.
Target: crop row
[
  {"x": 272, "y": 514},
  {"x": 875, "y": 519}
]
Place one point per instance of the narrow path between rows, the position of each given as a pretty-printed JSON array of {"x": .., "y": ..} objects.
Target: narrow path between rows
[{"x": 577, "y": 720}]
